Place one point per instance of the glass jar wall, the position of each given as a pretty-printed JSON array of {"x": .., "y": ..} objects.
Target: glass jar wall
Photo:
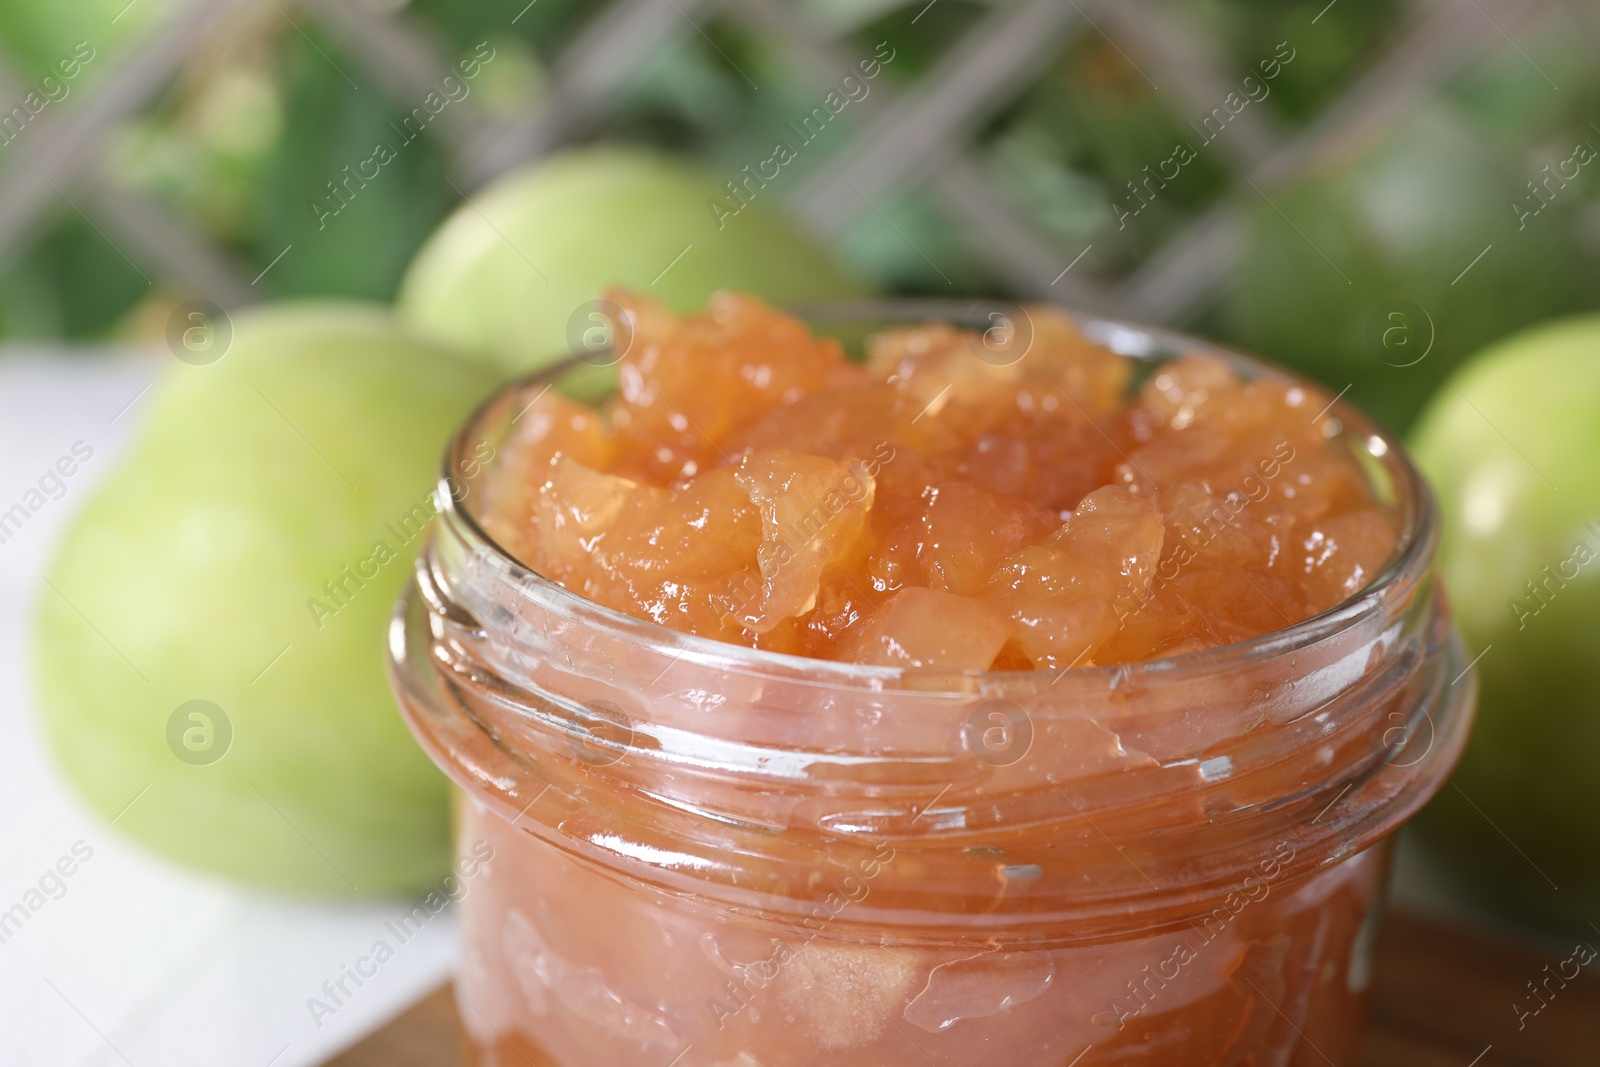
[{"x": 703, "y": 855}]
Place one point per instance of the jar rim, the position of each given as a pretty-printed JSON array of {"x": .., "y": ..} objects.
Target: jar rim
[{"x": 1415, "y": 541}]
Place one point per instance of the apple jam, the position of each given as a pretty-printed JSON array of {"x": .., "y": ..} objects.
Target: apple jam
[
  {"x": 944, "y": 506},
  {"x": 1038, "y": 690}
]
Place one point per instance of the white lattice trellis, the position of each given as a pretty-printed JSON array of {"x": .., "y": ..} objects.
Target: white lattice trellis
[{"x": 919, "y": 137}]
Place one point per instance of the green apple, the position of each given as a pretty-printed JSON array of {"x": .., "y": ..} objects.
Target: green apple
[
  {"x": 1511, "y": 445},
  {"x": 511, "y": 273},
  {"x": 209, "y": 652},
  {"x": 1420, "y": 216}
]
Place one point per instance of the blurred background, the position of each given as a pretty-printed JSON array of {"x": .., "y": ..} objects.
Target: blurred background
[
  {"x": 1371, "y": 192},
  {"x": 1003, "y": 142}
]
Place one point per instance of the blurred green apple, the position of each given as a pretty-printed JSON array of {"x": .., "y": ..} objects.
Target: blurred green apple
[
  {"x": 1511, "y": 445},
  {"x": 1421, "y": 217},
  {"x": 512, "y": 273},
  {"x": 210, "y": 647}
]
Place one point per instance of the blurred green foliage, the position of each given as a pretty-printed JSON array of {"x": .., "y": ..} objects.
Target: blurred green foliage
[
  {"x": 361, "y": 250},
  {"x": 264, "y": 117}
]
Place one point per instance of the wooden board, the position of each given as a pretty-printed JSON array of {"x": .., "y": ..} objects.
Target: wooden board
[{"x": 1443, "y": 996}]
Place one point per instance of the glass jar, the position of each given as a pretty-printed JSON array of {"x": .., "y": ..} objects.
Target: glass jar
[{"x": 694, "y": 854}]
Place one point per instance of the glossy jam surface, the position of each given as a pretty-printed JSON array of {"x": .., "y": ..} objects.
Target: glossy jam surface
[{"x": 960, "y": 501}]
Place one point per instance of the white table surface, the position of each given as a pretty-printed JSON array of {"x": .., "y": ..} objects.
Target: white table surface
[{"x": 140, "y": 962}]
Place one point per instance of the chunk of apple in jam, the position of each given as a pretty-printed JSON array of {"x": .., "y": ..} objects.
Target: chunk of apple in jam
[
  {"x": 927, "y": 628},
  {"x": 813, "y": 515},
  {"x": 659, "y": 554},
  {"x": 1066, "y": 595},
  {"x": 548, "y": 427},
  {"x": 684, "y": 383}
]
